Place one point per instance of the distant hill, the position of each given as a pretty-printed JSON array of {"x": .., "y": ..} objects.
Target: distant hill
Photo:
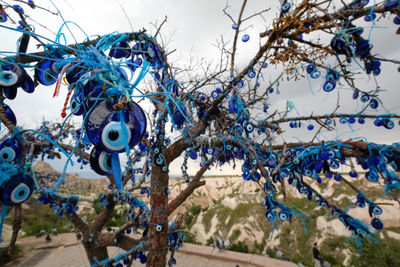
[{"x": 74, "y": 184}]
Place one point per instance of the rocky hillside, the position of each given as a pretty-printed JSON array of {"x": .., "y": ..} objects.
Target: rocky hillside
[
  {"x": 231, "y": 208},
  {"x": 74, "y": 184}
]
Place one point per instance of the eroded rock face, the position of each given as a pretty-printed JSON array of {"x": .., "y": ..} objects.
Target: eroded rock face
[{"x": 74, "y": 184}]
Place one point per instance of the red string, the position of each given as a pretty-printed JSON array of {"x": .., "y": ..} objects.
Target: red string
[{"x": 63, "y": 113}]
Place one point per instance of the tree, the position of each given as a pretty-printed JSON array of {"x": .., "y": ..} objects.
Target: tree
[{"x": 221, "y": 115}]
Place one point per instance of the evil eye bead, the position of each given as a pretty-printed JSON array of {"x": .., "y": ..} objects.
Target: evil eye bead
[
  {"x": 77, "y": 105},
  {"x": 372, "y": 176},
  {"x": 249, "y": 128},
  {"x": 112, "y": 136},
  {"x": 159, "y": 228},
  {"x": 343, "y": 120},
  {"x": 7, "y": 154},
  {"x": 285, "y": 7},
  {"x": 364, "y": 98},
  {"x": 334, "y": 164},
  {"x": 10, "y": 151},
  {"x": 396, "y": 20},
  {"x": 269, "y": 215},
  {"x": 44, "y": 74},
  {"x": 329, "y": 85},
  {"x": 388, "y": 124},
  {"x": 100, "y": 161},
  {"x": 374, "y": 103},
  {"x": 361, "y": 121},
  {"x": 335, "y": 213},
  {"x": 283, "y": 216},
  {"x": 315, "y": 74},
  {"x": 235, "y": 26},
  {"x": 310, "y": 127},
  {"x": 360, "y": 204},
  {"x": 17, "y": 189},
  {"x": 376, "y": 210},
  {"x": 3, "y": 17},
  {"x": 8, "y": 78},
  {"x": 245, "y": 38},
  {"x": 251, "y": 73},
  {"x": 104, "y": 127},
  {"x": 214, "y": 94},
  {"x": 359, "y": 231},
  {"x": 159, "y": 161}
]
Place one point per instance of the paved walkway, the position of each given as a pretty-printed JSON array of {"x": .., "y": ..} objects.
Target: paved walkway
[{"x": 71, "y": 253}]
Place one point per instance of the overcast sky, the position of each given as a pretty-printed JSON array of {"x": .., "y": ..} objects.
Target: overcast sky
[{"x": 192, "y": 29}]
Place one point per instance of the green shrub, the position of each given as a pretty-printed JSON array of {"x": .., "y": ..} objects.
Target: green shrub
[
  {"x": 210, "y": 241},
  {"x": 384, "y": 254},
  {"x": 236, "y": 233},
  {"x": 195, "y": 209},
  {"x": 239, "y": 247},
  {"x": 4, "y": 257}
]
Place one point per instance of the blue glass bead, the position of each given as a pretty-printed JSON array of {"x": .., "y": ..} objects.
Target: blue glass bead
[
  {"x": 31, "y": 4},
  {"x": 18, "y": 9},
  {"x": 361, "y": 121},
  {"x": 285, "y": 7},
  {"x": 245, "y": 38},
  {"x": 343, "y": 120},
  {"x": 370, "y": 17},
  {"x": 251, "y": 73},
  {"x": 378, "y": 122},
  {"x": 126, "y": 261},
  {"x": 265, "y": 64},
  {"x": 310, "y": 127},
  {"x": 3, "y": 17},
  {"x": 338, "y": 177},
  {"x": 353, "y": 174},
  {"x": 329, "y": 85},
  {"x": 356, "y": 92},
  {"x": 235, "y": 26},
  {"x": 315, "y": 74},
  {"x": 372, "y": 176},
  {"x": 388, "y": 124},
  {"x": 364, "y": 98},
  {"x": 310, "y": 68},
  {"x": 377, "y": 224}
]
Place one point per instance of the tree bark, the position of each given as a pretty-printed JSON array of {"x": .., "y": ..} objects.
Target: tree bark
[
  {"x": 157, "y": 252},
  {"x": 95, "y": 253}
]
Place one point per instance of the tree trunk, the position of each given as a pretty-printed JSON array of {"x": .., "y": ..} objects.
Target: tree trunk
[
  {"x": 157, "y": 252},
  {"x": 99, "y": 253}
]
